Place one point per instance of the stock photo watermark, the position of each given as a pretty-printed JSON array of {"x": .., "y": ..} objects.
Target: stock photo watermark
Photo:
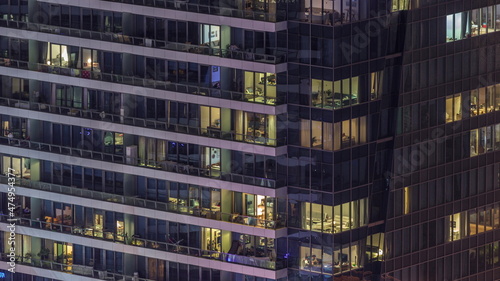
[
  {"x": 422, "y": 150},
  {"x": 11, "y": 207}
]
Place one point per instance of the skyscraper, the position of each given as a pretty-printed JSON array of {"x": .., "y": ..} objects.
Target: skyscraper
[{"x": 247, "y": 140}]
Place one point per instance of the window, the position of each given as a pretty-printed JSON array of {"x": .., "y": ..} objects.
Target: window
[
  {"x": 322, "y": 93},
  {"x": 406, "y": 200},
  {"x": 334, "y": 219},
  {"x": 57, "y": 55},
  {"x": 471, "y": 23},
  {"x": 20, "y": 167},
  {"x": 255, "y": 127},
  {"x": 453, "y": 108},
  {"x": 398, "y": 5},
  {"x": 210, "y": 118},
  {"x": 327, "y": 260},
  {"x": 260, "y": 87},
  {"x": 69, "y": 96},
  {"x": 210, "y": 35},
  {"x": 484, "y": 140},
  {"x": 457, "y": 27},
  {"x": 211, "y": 160},
  {"x": 334, "y": 136},
  {"x": 457, "y": 226}
]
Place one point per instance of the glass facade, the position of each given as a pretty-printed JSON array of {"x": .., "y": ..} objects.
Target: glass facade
[{"x": 251, "y": 140}]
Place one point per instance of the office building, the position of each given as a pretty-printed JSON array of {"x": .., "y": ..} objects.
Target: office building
[{"x": 247, "y": 140}]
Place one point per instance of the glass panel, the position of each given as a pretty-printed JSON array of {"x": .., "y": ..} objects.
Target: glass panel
[{"x": 474, "y": 101}]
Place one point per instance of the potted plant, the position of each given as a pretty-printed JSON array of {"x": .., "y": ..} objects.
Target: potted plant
[
  {"x": 128, "y": 240},
  {"x": 60, "y": 258},
  {"x": 44, "y": 255},
  {"x": 314, "y": 140},
  {"x": 28, "y": 257}
]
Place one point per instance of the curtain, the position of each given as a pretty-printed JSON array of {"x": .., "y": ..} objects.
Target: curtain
[
  {"x": 363, "y": 129},
  {"x": 142, "y": 149},
  {"x": 305, "y": 133},
  {"x": 161, "y": 150},
  {"x": 151, "y": 149},
  {"x": 327, "y": 136},
  {"x": 271, "y": 130},
  {"x": 316, "y": 137},
  {"x": 354, "y": 131},
  {"x": 238, "y": 124},
  {"x": 337, "y": 136},
  {"x": 465, "y": 25}
]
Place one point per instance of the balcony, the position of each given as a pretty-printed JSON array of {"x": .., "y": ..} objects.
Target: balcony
[
  {"x": 252, "y": 13},
  {"x": 256, "y": 260},
  {"x": 140, "y": 122},
  {"x": 168, "y": 166},
  {"x": 279, "y": 57},
  {"x": 150, "y": 204},
  {"x": 81, "y": 270},
  {"x": 140, "y": 82}
]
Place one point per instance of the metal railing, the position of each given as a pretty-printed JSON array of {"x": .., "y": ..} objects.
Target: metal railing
[
  {"x": 260, "y": 262},
  {"x": 76, "y": 269},
  {"x": 140, "y": 82},
  {"x": 150, "y": 204},
  {"x": 141, "y": 122},
  {"x": 168, "y": 166},
  {"x": 280, "y": 57},
  {"x": 184, "y": 5}
]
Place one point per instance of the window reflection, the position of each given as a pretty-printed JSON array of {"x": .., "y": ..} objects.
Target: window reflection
[
  {"x": 210, "y": 35},
  {"x": 406, "y": 200}
]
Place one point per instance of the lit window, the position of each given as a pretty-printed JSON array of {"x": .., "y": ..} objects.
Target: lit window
[
  {"x": 453, "y": 108},
  {"x": 406, "y": 200}
]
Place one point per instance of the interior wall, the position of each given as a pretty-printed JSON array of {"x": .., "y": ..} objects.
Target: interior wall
[
  {"x": 226, "y": 119},
  {"x": 225, "y": 36},
  {"x": 226, "y": 201},
  {"x": 35, "y": 169},
  {"x": 226, "y": 240},
  {"x": 36, "y": 208}
]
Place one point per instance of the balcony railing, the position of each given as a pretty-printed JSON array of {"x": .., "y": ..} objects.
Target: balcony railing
[
  {"x": 76, "y": 269},
  {"x": 169, "y": 166},
  {"x": 140, "y": 82},
  {"x": 260, "y": 262},
  {"x": 150, "y": 204},
  {"x": 280, "y": 57},
  {"x": 140, "y": 122},
  {"x": 184, "y": 5}
]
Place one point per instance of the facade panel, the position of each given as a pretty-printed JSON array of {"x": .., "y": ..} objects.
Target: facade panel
[{"x": 250, "y": 140}]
